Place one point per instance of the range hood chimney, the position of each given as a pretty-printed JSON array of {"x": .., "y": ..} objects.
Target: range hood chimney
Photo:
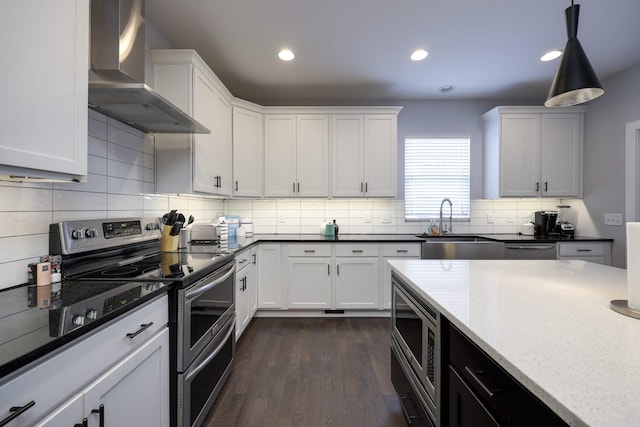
[{"x": 116, "y": 78}]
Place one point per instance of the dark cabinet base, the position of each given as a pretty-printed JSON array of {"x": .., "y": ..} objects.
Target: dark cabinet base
[
  {"x": 465, "y": 410},
  {"x": 414, "y": 413}
]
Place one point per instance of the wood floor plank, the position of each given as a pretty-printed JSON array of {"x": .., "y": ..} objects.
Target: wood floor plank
[{"x": 310, "y": 372}]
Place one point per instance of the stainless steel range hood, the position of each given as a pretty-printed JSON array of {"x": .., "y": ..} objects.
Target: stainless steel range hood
[{"x": 117, "y": 75}]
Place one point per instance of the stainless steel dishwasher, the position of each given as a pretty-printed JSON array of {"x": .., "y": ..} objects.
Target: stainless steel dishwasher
[{"x": 529, "y": 250}]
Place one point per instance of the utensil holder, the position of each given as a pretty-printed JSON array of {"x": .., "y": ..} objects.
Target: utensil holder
[{"x": 168, "y": 243}]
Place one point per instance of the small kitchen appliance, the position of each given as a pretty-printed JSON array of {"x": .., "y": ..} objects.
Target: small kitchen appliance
[
  {"x": 545, "y": 222},
  {"x": 564, "y": 224}
]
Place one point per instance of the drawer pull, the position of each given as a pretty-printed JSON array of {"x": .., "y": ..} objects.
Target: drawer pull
[
  {"x": 100, "y": 412},
  {"x": 143, "y": 328},
  {"x": 584, "y": 250},
  {"x": 402, "y": 251},
  {"x": 17, "y": 411},
  {"x": 309, "y": 251},
  {"x": 474, "y": 374},
  {"x": 357, "y": 251},
  {"x": 85, "y": 423}
]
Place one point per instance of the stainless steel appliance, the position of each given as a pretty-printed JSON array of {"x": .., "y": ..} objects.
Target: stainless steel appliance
[
  {"x": 202, "y": 299},
  {"x": 545, "y": 222},
  {"x": 414, "y": 355},
  {"x": 527, "y": 250}
]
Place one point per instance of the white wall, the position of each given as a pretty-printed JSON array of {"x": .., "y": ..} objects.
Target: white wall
[{"x": 604, "y": 154}]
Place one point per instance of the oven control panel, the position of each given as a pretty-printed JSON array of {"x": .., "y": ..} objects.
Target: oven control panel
[{"x": 70, "y": 237}]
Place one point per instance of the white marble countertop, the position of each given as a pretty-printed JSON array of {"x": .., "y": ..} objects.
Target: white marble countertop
[{"x": 548, "y": 323}]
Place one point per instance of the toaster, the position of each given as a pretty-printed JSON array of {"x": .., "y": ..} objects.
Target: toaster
[{"x": 204, "y": 233}]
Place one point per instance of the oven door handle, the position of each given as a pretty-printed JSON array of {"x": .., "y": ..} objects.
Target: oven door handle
[
  {"x": 210, "y": 357},
  {"x": 194, "y": 293}
]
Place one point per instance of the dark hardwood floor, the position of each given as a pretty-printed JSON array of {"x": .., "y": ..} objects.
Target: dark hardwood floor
[{"x": 310, "y": 372}]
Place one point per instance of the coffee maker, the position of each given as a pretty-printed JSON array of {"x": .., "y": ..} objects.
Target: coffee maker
[{"x": 545, "y": 222}]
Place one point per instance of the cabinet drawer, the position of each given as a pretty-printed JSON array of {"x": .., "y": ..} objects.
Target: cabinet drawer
[
  {"x": 309, "y": 250},
  {"x": 243, "y": 259},
  {"x": 505, "y": 398},
  {"x": 69, "y": 370},
  {"x": 580, "y": 249},
  {"x": 401, "y": 250},
  {"x": 350, "y": 250}
]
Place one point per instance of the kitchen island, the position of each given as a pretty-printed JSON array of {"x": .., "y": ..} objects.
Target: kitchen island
[{"x": 548, "y": 324}]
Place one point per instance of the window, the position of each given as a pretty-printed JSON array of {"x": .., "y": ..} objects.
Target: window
[{"x": 435, "y": 169}]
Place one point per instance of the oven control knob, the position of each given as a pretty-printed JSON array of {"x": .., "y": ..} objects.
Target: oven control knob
[
  {"x": 91, "y": 314},
  {"x": 78, "y": 234},
  {"x": 77, "y": 320},
  {"x": 90, "y": 233},
  {"x": 153, "y": 226}
]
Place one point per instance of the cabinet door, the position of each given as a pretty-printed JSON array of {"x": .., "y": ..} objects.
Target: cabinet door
[
  {"x": 44, "y": 86},
  {"x": 204, "y": 145},
  {"x": 561, "y": 155},
  {"x": 135, "y": 392},
  {"x": 309, "y": 282},
  {"x": 520, "y": 155},
  {"x": 380, "y": 153},
  {"x": 271, "y": 286},
  {"x": 465, "y": 409},
  {"x": 357, "y": 283},
  {"x": 347, "y": 139},
  {"x": 312, "y": 156},
  {"x": 242, "y": 301},
  {"x": 69, "y": 414},
  {"x": 252, "y": 283},
  {"x": 222, "y": 158},
  {"x": 248, "y": 153},
  {"x": 280, "y": 155}
]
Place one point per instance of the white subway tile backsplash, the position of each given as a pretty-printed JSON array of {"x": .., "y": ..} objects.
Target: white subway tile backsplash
[
  {"x": 123, "y": 186},
  {"x": 151, "y": 202},
  {"x": 121, "y": 134},
  {"x": 13, "y": 199},
  {"x": 97, "y": 128},
  {"x": 76, "y": 215},
  {"x": 28, "y": 246},
  {"x": 79, "y": 200},
  {"x": 94, "y": 184},
  {"x": 97, "y": 147},
  {"x": 97, "y": 165},
  {"x": 123, "y": 154},
  {"x": 25, "y": 223},
  {"x": 124, "y": 170},
  {"x": 123, "y": 202}
]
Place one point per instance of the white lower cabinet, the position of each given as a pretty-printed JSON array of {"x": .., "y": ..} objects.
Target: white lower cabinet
[
  {"x": 357, "y": 279},
  {"x": 598, "y": 252},
  {"x": 271, "y": 289},
  {"x": 127, "y": 377},
  {"x": 246, "y": 288},
  {"x": 309, "y": 282}
]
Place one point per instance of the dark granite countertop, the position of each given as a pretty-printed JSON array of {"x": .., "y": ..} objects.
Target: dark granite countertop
[{"x": 31, "y": 318}]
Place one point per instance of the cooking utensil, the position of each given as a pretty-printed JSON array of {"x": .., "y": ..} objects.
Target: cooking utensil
[
  {"x": 180, "y": 218},
  {"x": 175, "y": 228},
  {"x": 191, "y": 219}
]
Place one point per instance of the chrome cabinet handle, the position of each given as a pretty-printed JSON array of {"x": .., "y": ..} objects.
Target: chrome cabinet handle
[
  {"x": 584, "y": 250},
  {"x": 362, "y": 187},
  {"x": 366, "y": 187},
  {"x": 85, "y": 423},
  {"x": 474, "y": 374},
  {"x": 328, "y": 270},
  {"x": 546, "y": 186},
  {"x": 100, "y": 412},
  {"x": 17, "y": 411},
  {"x": 356, "y": 251},
  {"x": 402, "y": 251},
  {"x": 532, "y": 247},
  {"x": 338, "y": 269},
  {"x": 254, "y": 258},
  {"x": 537, "y": 186},
  {"x": 236, "y": 185},
  {"x": 298, "y": 187},
  {"x": 143, "y": 328},
  {"x": 309, "y": 251}
]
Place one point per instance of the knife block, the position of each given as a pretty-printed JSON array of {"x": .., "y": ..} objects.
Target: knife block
[{"x": 168, "y": 243}]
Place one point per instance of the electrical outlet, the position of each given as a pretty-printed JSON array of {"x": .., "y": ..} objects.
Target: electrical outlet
[
  {"x": 510, "y": 218},
  {"x": 281, "y": 219},
  {"x": 367, "y": 219},
  {"x": 489, "y": 218},
  {"x": 386, "y": 218},
  {"x": 612, "y": 219}
]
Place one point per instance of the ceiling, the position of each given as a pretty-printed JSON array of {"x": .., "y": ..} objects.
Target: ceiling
[{"x": 357, "y": 51}]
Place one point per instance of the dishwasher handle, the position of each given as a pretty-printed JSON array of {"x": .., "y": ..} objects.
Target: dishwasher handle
[{"x": 531, "y": 247}]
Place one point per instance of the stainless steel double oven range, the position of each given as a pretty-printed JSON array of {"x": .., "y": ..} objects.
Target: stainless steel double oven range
[{"x": 201, "y": 295}]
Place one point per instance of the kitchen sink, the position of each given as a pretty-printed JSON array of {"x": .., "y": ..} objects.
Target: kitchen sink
[{"x": 452, "y": 246}]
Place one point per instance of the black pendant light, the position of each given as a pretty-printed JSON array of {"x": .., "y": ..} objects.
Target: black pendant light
[{"x": 575, "y": 81}]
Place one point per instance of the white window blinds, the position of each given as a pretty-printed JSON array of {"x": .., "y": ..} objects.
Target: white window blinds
[{"x": 435, "y": 169}]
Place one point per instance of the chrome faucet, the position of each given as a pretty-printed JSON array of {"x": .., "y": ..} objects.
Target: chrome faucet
[{"x": 443, "y": 231}]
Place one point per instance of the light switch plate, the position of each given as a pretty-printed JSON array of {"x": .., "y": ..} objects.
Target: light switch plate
[{"x": 612, "y": 219}]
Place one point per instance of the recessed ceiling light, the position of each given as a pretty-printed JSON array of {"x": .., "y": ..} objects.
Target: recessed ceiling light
[
  {"x": 286, "y": 55},
  {"x": 551, "y": 55},
  {"x": 419, "y": 54},
  {"x": 446, "y": 88}
]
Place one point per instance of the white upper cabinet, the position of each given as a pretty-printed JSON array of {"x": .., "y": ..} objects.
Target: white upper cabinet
[
  {"x": 248, "y": 152},
  {"x": 296, "y": 155},
  {"x": 533, "y": 152},
  {"x": 364, "y": 155},
  {"x": 198, "y": 163},
  {"x": 44, "y": 86}
]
